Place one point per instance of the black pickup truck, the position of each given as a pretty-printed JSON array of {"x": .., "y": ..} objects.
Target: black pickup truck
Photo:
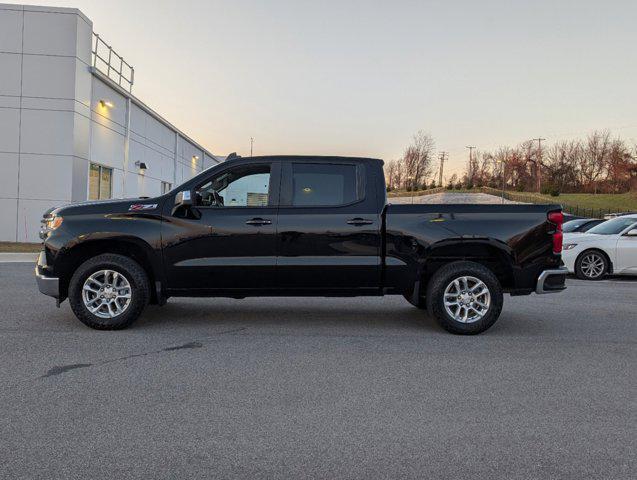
[{"x": 296, "y": 226}]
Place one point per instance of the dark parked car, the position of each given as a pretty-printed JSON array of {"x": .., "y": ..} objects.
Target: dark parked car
[
  {"x": 581, "y": 225},
  {"x": 289, "y": 225}
]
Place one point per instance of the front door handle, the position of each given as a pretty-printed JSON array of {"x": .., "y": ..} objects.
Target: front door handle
[
  {"x": 259, "y": 221},
  {"x": 359, "y": 221}
]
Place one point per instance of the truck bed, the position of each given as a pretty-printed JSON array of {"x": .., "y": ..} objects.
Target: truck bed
[{"x": 513, "y": 237}]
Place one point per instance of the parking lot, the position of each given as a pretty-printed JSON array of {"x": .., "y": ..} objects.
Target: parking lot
[{"x": 319, "y": 388}]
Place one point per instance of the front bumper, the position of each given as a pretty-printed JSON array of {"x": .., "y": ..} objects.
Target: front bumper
[
  {"x": 569, "y": 257},
  {"x": 551, "y": 281},
  {"x": 47, "y": 285}
]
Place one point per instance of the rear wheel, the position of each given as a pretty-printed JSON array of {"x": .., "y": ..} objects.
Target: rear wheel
[
  {"x": 591, "y": 265},
  {"x": 109, "y": 292},
  {"x": 464, "y": 297}
]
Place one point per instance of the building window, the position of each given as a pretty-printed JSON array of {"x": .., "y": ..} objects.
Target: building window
[
  {"x": 100, "y": 182},
  {"x": 166, "y": 187}
]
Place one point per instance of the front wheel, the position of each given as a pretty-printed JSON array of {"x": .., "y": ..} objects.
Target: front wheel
[
  {"x": 109, "y": 292},
  {"x": 464, "y": 297}
]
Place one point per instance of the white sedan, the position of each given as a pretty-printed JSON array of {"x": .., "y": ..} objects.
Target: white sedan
[{"x": 610, "y": 247}]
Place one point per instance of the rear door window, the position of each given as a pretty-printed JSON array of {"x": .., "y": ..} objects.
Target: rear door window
[{"x": 317, "y": 184}]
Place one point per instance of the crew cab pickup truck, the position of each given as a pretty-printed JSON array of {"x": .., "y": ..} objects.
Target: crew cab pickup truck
[{"x": 296, "y": 226}]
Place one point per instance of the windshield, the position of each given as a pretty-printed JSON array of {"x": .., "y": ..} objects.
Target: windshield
[
  {"x": 614, "y": 226},
  {"x": 201, "y": 174},
  {"x": 573, "y": 225}
]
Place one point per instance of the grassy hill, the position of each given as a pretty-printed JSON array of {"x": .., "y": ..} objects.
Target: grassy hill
[
  {"x": 602, "y": 202},
  {"x": 584, "y": 204}
]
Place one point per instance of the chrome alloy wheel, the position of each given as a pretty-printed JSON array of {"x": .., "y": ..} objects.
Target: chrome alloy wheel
[
  {"x": 106, "y": 293},
  {"x": 592, "y": 265},
  {"x": 467, "y": 299}
]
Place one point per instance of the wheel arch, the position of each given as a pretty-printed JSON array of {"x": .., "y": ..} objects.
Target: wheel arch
[
  {"x": 70, "y": 258},
  {"x": 493, "y": 255}
]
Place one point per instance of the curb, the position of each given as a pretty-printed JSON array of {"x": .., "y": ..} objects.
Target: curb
[{"x": 18, "y": 257}]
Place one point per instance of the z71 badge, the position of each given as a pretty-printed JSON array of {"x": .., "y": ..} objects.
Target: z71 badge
[{"x": 137, "y": 207}]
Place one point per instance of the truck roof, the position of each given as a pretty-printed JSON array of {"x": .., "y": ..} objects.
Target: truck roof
[{"x": 304, "y": 158}]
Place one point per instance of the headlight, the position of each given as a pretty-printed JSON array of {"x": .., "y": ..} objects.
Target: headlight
[
  {"x": 53, "y": 223},
  {"x": 569, "y": 246}
]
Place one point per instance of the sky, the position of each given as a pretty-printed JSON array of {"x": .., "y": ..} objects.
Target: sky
[{"x": 361, "y": 77}]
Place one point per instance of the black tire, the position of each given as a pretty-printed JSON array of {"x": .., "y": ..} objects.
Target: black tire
[
  {"x": 444, "y": 277},
  {"x": 422, "y": 304},
  {"x": 132, "y": 272},
  {"x": 599, "y": 257}
]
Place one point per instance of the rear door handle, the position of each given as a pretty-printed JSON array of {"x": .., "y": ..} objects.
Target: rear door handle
[
  {"x": 359, "y": 221},
  {"x": 259, "y": 221}
]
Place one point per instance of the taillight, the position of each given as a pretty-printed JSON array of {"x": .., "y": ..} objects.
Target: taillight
[
  {"x": 557, "y": 242},
  {"x": 557, "y": 218}
]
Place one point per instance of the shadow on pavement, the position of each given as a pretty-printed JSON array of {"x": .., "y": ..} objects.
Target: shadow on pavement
[{"x": 278, "y": 312}]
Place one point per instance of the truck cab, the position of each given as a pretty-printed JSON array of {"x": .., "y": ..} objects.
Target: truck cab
[{"x": 277, "y": 225}]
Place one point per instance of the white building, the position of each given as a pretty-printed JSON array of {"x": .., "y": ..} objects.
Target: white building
[{"x": 70, "y": 130}]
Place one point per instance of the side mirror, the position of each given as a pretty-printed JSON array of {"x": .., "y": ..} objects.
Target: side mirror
[
  {"x": 631, "y": 233},
  {"x": 183, "y": 202},
  {"x": 183, "y": 199}
]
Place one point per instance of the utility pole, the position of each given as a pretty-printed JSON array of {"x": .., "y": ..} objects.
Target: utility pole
[
  {"x": 251, "y": 144},
  {"x": 503, "y": 177},
  {"x": 471, "y": 147},
  {"x": 443, "y": 157},
  {"x": 538, "y": 162}
]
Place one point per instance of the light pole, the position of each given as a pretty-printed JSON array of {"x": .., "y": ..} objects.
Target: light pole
[
  {"x": 538, "y": 163},
  {"x": 410, "y": 180},
  {"x": 251, "y": 144},
  {"x": 470, "y": 147},
  {"x": 443, "y": 157},
  {"x": 503, "y": 179}
]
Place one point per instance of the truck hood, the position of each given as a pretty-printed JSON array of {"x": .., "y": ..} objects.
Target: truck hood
[{"x": 106, "y": 206}]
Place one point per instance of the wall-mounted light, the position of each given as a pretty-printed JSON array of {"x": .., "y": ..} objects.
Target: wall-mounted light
[
  {"x": 195, "y": 157},
  {"x": 142, "y": 167},
  {"x": 106, "y": 103}
]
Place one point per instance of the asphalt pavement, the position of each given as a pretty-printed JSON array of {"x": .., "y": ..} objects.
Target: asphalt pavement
[{"x": 319, "y": 388}]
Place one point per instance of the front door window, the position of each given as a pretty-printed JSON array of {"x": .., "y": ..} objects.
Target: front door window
[{"x": 243, "y": 186}]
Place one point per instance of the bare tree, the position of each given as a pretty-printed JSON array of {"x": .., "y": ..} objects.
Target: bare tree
[
  {"x": 453, "y": 181},
  {"x": 409, "y": 168},
  {"x": 594, "y": 159},
  {"x": 619, "y": 168},
  {"x": 400, "y": 174},
  {"x": 483, "y": 168},
  {"x": 391, "y": 169},
  {"x": 600, "y": 163},
  {"x": 421, "y": 156},
  {"x": 560, "y": 165}
]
